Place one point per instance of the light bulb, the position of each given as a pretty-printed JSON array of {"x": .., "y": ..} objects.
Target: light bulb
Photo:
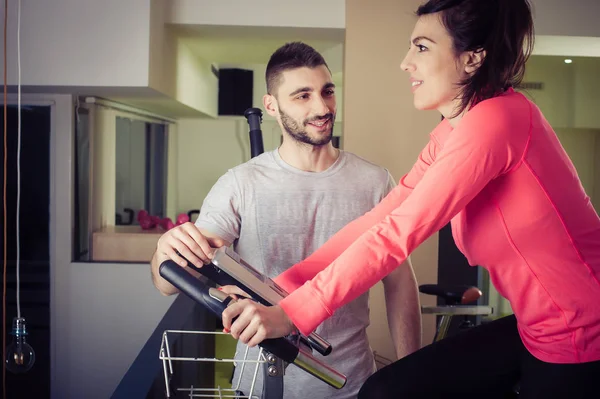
[{"x": 19, "y": 354}]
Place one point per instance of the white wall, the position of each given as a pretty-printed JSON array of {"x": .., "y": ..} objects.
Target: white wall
[
  {"x": 587, "y": 89},
  {"x": 556, "y": 100},
  {"x": 572, "y": 46},
  {"x": 196, "y": 85},
  {"x": 80, "y": 43},
  {"x": 334, "y": 57},
  {"x": 208, "y": 148},
  {"x": 580, "y": 145},
  {"x": 175, "y": 70},
  {"x": 113, "y": 309},
  {"x": 307, "y": 13},
  {"x": 162, "y": 54}
]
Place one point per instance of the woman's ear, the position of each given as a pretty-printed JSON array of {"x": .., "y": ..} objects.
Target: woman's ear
[{"x": 473, "y": 61}]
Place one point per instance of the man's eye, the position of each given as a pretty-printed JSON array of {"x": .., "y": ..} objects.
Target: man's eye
[{"x": 302, "y": 97}]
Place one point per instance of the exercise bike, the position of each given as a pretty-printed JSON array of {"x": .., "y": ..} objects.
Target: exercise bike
[{"x": 458, "y": 302}]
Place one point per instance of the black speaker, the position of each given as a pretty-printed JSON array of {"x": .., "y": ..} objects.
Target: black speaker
[{"x": 235, "y": 91}]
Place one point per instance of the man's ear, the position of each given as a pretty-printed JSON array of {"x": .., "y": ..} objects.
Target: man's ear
[
  {"x": 473, "y": 61},
  {"x": 270, "y": 104}
]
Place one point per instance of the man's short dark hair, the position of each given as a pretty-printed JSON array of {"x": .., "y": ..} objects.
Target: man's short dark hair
[{"x": 290, "y": 56}]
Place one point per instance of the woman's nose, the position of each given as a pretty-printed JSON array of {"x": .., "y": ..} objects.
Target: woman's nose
[{"x": 406, "y": 63}]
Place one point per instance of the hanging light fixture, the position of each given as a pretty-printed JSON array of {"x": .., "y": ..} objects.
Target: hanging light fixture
[{"x": 20, "y": 356}]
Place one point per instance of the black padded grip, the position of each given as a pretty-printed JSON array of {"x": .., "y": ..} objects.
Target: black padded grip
[{"x": 192, "y": 287}]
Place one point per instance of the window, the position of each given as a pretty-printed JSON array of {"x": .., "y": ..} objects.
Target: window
[{"x": 121, "y": 168}]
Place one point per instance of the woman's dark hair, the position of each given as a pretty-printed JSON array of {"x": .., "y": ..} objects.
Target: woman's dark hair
[{"x": 503, "y": 28}]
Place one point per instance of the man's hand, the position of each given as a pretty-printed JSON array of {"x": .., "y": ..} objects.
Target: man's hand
[
  {"x": 190, "y": 243},
  {"x": 195, "y": 245},
  {"x": 256, "y": 322}
]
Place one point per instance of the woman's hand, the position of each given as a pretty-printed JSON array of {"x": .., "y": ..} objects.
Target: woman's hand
[
  {"x": 234, "y": 291},
  {"x": 255, "y": 322}
]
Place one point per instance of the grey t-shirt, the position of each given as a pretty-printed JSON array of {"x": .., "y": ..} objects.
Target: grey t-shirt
[{"x": 276, "y": 216}]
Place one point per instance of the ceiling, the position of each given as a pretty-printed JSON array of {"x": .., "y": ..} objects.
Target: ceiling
[
  {"x": 251, "y": 44},
  {"x": 573, "y": 46}
]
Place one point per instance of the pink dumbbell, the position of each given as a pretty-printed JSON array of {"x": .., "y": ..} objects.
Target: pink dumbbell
[{"x": 182, "y": 218}]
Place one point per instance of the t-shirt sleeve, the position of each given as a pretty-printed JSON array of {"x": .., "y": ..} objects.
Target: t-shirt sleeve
[
  {"x": 303, "y": 271},
  {"x": 473, "y": 154},
  {"x": 220, "y": 212},
  {"x": 390, "y": 184}
]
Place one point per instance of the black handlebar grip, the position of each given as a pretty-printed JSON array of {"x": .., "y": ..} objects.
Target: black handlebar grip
[{"x": 213, "y": 299}]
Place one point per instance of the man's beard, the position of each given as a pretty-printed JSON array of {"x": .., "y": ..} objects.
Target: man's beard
[{"x": 299, "y": 133}]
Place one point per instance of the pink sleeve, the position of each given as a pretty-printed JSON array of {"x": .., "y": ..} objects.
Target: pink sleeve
[
  {"x": 301, "y": 272},
  {"x": 474, "y": 154}
]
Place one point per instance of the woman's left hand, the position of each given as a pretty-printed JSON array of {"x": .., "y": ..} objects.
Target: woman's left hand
[{"x": 256, "y": 322}]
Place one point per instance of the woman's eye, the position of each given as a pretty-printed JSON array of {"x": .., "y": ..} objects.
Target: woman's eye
[{"x": 421, "y": 48}]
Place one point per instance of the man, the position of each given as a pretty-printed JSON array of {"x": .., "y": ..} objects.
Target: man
[{"x": 279, "y": 207}]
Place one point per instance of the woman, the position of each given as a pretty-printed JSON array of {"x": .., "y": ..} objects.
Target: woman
[{"x": 496, "y": 170}]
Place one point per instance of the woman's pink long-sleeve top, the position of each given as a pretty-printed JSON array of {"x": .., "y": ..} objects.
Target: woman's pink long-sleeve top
[{"x": 517, "y": 208}]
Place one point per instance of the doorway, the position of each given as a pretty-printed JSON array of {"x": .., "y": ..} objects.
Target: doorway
[{"x": 34, "y": 242}]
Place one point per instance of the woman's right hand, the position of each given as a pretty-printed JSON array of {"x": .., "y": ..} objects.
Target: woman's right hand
[
  {"x": 234, "y": 291},
  {"x": 190, "y": 243}
]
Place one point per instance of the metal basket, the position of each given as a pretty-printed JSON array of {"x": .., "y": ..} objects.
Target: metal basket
[{"x": 246, "y": 366}]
